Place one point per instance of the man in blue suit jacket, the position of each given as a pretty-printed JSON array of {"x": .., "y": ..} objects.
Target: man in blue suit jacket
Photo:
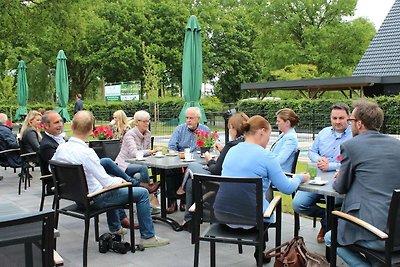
[{"x": 368, "y": 175}]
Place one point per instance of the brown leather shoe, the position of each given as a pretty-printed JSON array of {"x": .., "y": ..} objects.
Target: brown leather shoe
[
  {"x": 125, "y": 224},
  {"x": 151, "y": 187},
  {"x": 182, "y": 206},
  {"x": 172, "y": 207},
  {"x": 320, "y": 236}
]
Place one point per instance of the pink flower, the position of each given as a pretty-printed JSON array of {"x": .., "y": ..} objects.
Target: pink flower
[{"x": 339, "y": 158}]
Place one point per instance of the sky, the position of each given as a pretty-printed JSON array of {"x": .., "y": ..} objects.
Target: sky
[{"x": 374, "y": 10}]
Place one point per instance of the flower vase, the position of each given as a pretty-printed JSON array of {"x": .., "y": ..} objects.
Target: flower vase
[{"x": 204, "y": 150}]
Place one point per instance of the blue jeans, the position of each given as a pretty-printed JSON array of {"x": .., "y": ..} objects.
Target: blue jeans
[
  {"x": 118, "y": 197},
  {"x": 353, "y": 258},
  {"x": 306, "y": 203},
  {"x": 195, "y": 168},
  {"x": 113, "y": 169}
]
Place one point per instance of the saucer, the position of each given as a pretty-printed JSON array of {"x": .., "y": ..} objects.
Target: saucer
[
  {"x": 321, "y": 182},
  {"x": 188, "y": 160},
  {"x": 143, "y": 159},
  {"x": 172, "y": 155},
  {"x": 161, "y": 156}
]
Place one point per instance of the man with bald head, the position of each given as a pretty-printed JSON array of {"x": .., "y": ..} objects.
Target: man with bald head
[{"x": 76, "y": 151}]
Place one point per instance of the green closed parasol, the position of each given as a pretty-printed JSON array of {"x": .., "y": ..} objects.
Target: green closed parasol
[
  {"x": 22, "y": 90},
  {"x": 192, "y": 69},
  {"x": 62, "y": 86}
]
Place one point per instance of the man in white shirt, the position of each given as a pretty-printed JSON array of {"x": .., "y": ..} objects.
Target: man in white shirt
[{"x": 76, "y": 151}]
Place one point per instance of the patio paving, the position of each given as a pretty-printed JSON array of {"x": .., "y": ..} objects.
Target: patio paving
[{"x": 178, "y": 254}]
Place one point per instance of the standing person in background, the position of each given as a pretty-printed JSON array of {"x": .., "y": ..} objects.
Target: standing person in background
[
  {"x": 324, "y": 152},
  {"x": 182, "y": 137},
  {"x": 78, "y": 103},
  {"x": 287, "y": 143},
  {"x": 30, "y": 132},
  {"x": 119, "y": 124}
]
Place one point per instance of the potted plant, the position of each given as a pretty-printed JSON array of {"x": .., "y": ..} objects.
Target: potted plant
[
  {"x": 102, "y": 132},
  {"x": 205, "y": 140}
]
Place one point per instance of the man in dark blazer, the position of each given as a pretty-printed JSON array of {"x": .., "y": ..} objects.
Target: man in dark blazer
[
  {"x": 52, "y": 137},
  {"x": 8, "y": 141},
  {"x": 368, "y": 175}
]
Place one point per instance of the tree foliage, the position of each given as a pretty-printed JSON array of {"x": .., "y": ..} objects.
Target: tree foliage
[{"x": 243, "y": 41}]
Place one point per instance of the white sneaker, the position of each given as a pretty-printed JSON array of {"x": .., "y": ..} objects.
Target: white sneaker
[
  {"x": 121, "y": 231},
  {"x": 154, "y": 241}
]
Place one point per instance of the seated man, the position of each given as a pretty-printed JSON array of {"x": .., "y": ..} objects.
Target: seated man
[
  {"x": 182, "y": 137},
  {"x": 324, "y": 152},
  {"x": 76, "y": 151},
  {"x": 8, "y": 141},
  {"x": 368, "y": 175}
]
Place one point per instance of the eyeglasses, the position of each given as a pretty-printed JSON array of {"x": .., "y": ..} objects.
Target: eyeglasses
[
  {"x": 350, "y": 120},
  {"x": 144, "y": 121}
]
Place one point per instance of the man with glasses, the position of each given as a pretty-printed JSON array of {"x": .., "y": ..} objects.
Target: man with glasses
[
  {"x": 182, "y": 137},
  {"x": 368, "y": 175},
  {"x": 325, "y": 152}
]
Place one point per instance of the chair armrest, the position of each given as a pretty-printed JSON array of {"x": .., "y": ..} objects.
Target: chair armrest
[
  {"x": 354, "y": 220},
  {"x": 289, "y": 174},
  {"x": 46, "y": 177},
  {"x": 28, "y": 154},
  {"x": 205, "y": 197},
  {"x": 58, "y": 261},
  {"x": 109, "y": 188},
  {"x": 10, "y": 150},
  {"x": 272, "y": 206}
]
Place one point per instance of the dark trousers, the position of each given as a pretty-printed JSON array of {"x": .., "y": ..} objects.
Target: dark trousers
[{"x": 173, "y": 179}]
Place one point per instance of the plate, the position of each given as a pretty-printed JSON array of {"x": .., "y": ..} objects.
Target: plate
[
  {"x": 140, "y": 159},
  {"x": 322, "y": 182},
  {"x": 158, "y": 156},
  {"x": 188, "y": 160},
  {"x": 172, "y": 155}
]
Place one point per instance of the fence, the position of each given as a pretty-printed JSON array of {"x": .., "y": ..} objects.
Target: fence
[{"x": 310, "y": 124}]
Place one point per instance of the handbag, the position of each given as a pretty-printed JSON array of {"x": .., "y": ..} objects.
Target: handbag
[{"x": 295, "y": 254}]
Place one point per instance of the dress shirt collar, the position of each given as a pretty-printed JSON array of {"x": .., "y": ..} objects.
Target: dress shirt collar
[
  {"x": 59, "y": 138},
  {"x": 77, "y": 140},
  {"x": 341, "y": 135}
]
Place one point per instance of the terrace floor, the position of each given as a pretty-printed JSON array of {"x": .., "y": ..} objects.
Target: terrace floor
[{"x": 178, "y": 254}]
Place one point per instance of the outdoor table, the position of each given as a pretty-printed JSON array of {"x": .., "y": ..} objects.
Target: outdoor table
[
  {"x": 162, "y": 164},
  {"x": 330, "y": 194}
]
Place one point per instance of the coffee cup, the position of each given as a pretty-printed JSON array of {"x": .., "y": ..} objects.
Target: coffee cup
[
  {"x": 188, "y": 156},
  {"x": 158, "y": 153},
  {"x": 139, "y": 155},
  {"x": 171, "y": 152},
  {"x": 317, "y": 179}
]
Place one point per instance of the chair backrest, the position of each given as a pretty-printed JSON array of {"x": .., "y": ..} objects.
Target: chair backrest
[
  {"x": 393, "y": 223},
  {"x": 70, "y": 182},
  {"x": 228, "y": 200},
  {"x": 111, "y": 149},
  {"x": 29, "y": 233},
  {"x": 294, "y": 163}
]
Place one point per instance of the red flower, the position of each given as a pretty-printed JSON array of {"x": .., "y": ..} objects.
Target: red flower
[
  {"x": 205, "y": 139},
  {"x": 8, "y": 123},
  {"x": 200, "y": 143},
  {"x": 102, "y": 132},
  {"x": 339, "y": 158}
]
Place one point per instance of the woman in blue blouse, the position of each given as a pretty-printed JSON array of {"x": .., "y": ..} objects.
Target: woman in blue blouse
[
  {"x": 286, "y": 145},
  {"x": 250, "y": 159}
]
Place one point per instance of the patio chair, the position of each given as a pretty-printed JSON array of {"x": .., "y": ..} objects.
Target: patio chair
[
  {"x": 205, "y": 193},
  {"x": 391, "y": 235},
  {"x": 28, "y": 240},
  {"x": 70, "y": 184},
  {"x": 106, "y": 148}
]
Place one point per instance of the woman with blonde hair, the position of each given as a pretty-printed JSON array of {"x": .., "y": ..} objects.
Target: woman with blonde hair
[
  {"x": 119, "y": 124},
  {"x": 30, "y": 132}
]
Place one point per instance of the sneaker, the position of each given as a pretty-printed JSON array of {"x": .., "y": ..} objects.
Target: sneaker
[
  {"x": 155, "y": 210},
  {"x": 154, "y": 241},
  {"x": 120, "y": 231}
]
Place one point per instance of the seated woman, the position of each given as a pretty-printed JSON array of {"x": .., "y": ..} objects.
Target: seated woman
[
  {"x": 138, "y": 138},
  {"x": 286, "y": 145},
  {"x": 119, "y": 124},
  {"x": 257, "y": 162},
  {"x": 30, "y": 132},
  {"x": 213, "y": 166}
]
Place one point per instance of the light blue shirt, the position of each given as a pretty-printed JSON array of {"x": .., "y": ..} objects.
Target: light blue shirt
[
  {"x": 251, "y": 160},
  {"x": 327, "y": 144},
  {"x": 183, "y": 138},
  {"x": 284, "y": 148}
]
